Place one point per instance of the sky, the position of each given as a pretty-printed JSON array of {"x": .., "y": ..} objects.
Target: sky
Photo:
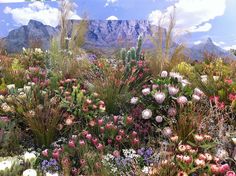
[{"x": 196, "y": 20}]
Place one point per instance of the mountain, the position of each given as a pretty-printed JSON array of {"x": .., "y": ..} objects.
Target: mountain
[
  {"x": 198, "y": 51},
  {"x": 102, "y": 35}
]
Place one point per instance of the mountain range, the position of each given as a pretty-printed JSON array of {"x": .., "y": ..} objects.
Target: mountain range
[{"x": 103, "y": 35}]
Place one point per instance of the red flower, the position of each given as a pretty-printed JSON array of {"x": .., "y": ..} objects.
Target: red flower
[
  {"x": 214, "y": 99},
  {"x": 230, "y": 173},
  {"x": 232, "y": 96},
  {"x": 229, "y": 81}
]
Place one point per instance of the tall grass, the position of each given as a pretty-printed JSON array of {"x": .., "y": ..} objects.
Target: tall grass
[{"x": 165, "y": 56}]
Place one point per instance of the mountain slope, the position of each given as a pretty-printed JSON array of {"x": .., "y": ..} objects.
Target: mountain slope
[{"x": 102, "y": 35}]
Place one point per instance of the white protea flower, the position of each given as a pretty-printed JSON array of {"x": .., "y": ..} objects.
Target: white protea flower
[
  {"x": 167, "y": 132},
  {"x": 164, "y": 74},
  {"x": 185, "y": 82},
  {"x": 173, "y": 90},
  {"x": 234, "y": 140},
  {"x": 30, "y": 172},
  {"x": 27, "y": 88},
  {"x": 2, "y": 97},
  {"x": 182, "y": 100},
  {"x": 195, "y": 98},
  {"x": 30, "y": 156},
  {"x": 159, "y": 119},
  {"x": 11, "y": 86},
  {"x": 5, "y": 107},
  {"x": 146, "y": 170},
  {"x": 176, "y": 75},
  {"x": 216, "y": 78},
  {"x": 146, "y": 114},
  {"x": 7, "y": 164},
  {"x": 159, "y": 97},
  {"x": 172, "y": 112},
  {"x": 134, "y": 100},
  {"x": 198, "y": 92},
  {"x": 204, "y": 78},
  {"x": 38, "y": 50},
  {"x": 146, "y": 91}
]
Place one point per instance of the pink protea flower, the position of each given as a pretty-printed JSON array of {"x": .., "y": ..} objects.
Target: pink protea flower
[
  {"x": 172, "y": 112},
  {"x": 232, "y": 96},
  {"x": 208, "y": 156},
  {"x": 89, "y": 136},
  {"x": 45, "y": 152},
  {"x": 159, "y": 119},
  {"x": 116, "y": 153},
  {"x": 167, "y": 131},
  {"x": 135, "y": 141},
  {"x": 182, "y": 100},
  {"x": 224, "y": 168},
  {"x": 94, "y": 141},
  {"x": 56, "y": 154},
  {"x": 71, "y": 143},
  {"x": 146, "y": 91},
  {"x": 202, "y": 157},
  {"x": 134, "y": 133},
  {"x": 100, "y": 122},
  {"x": 172, "y": 90},
  {"x": 81, "y": 142},
  {"x": 82, "y": 162},
  {"x": 121, "y": 132},
  {"x": 99, "y": 147},
  {"x": 215, "y": 169},
  {"x": 230, "y": 173},
  {"x": 159, "y": 97},
  {"x": 228, "y": 81},
  {"x": 129, "y": 120},
  {"x": 214, "y": 99},
  {"x": 118, "y": 138}
]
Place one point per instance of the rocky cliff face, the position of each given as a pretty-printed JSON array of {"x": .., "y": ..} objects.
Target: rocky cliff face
[{"x": 101, "y": 35}]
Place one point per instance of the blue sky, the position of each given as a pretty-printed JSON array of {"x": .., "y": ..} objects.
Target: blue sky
[{"x": 196, "y": 20}]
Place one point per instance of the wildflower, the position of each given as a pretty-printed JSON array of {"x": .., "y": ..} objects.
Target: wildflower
[
  {"x": 5, "y": 107},
  {"x": 115, "y": 119},
  {"x": 89, "y": 136},
  {"x": 134, "y": 100},
  {"x": 184, "y": 82},
  {"x": 172, "y": 112},
  {"x": 195, "y": 98},
  {"x": 202, "y": 156},
  {"x": 30, "y": 172},
  {"x": 11, "y": 86},
  {"x": 174, "y": 138},
  {"x": 102, "y": 108},
  {"x": 167, "y": 131},
  {"x": 51, "y": 174},
  {"x": 222, "y": 154},
  {"x": 230, "y": 173},
  {"x": 214, "y": 168},
  {"x": 173, "y": 90},
  {"x": 94, "y": 141},
  {"x": 100, "y": 122},
  {"x": 234, "y": 140},
  {"x": 198, "y": 92},
  {"x": 116, "y": 153},
  {"x": 159, "y": 97},
  {"x": 182, "y": 173},
  {"x": 228, "y": 81},
  {"x": 99, "y": 146},
  {"x": 232, "y": 96},
  {"x": 71, "y": 143},
  {"x": 118, "y": 138},
  {"x": 199, "y": 162},
  {"x": 216, "y": 78},
  {"x": 224, "y": 168},
  {"x": 129, "y": 120},
  {"x": 146, "y": 114},
  {"x": 69, "y": 121},
  {"x": 187, "y": 159},
  {"x": 45, "y": 153},
  {"x": 7, "y": 164},
  {"x": 146, "y": 91},
  {"x": 164, "y": 74},
  {"x": 176, "y": 75},
  {"x": 182, "y": 100},
  {"x": 204, "y": 78},
  {"x": 208, "y": 157},
  {"x": 29, "y": 156},
  {"x": 159, "y": 119},
  {"x": 88, "y": 101},
  {"x": 134, "y": 133},
  {"x": 198, "y": 138},
  {"x": 135, "y": 141},
  {"x": 82, "y": 162},
  {"x": 38, "y": 50},
  {"x": 81, "y": 142},
  {"x": 214, "y": 99},
  {"x": 207, "y": 137},
  {"x": 182, "y": 148}
]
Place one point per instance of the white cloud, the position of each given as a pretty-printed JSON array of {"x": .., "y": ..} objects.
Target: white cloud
[
  {"x": 197, "y": 42},
  {"x": 112, "y": 18},
  {"x": 230, "y": 47},
  {"x": 191, "y": 15},
  {"x": 219, "y": 43},
  {"x": 37, "y": 11},
  {"x": 11, "y": 1},
  {"x": 110, "y": 2}
]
